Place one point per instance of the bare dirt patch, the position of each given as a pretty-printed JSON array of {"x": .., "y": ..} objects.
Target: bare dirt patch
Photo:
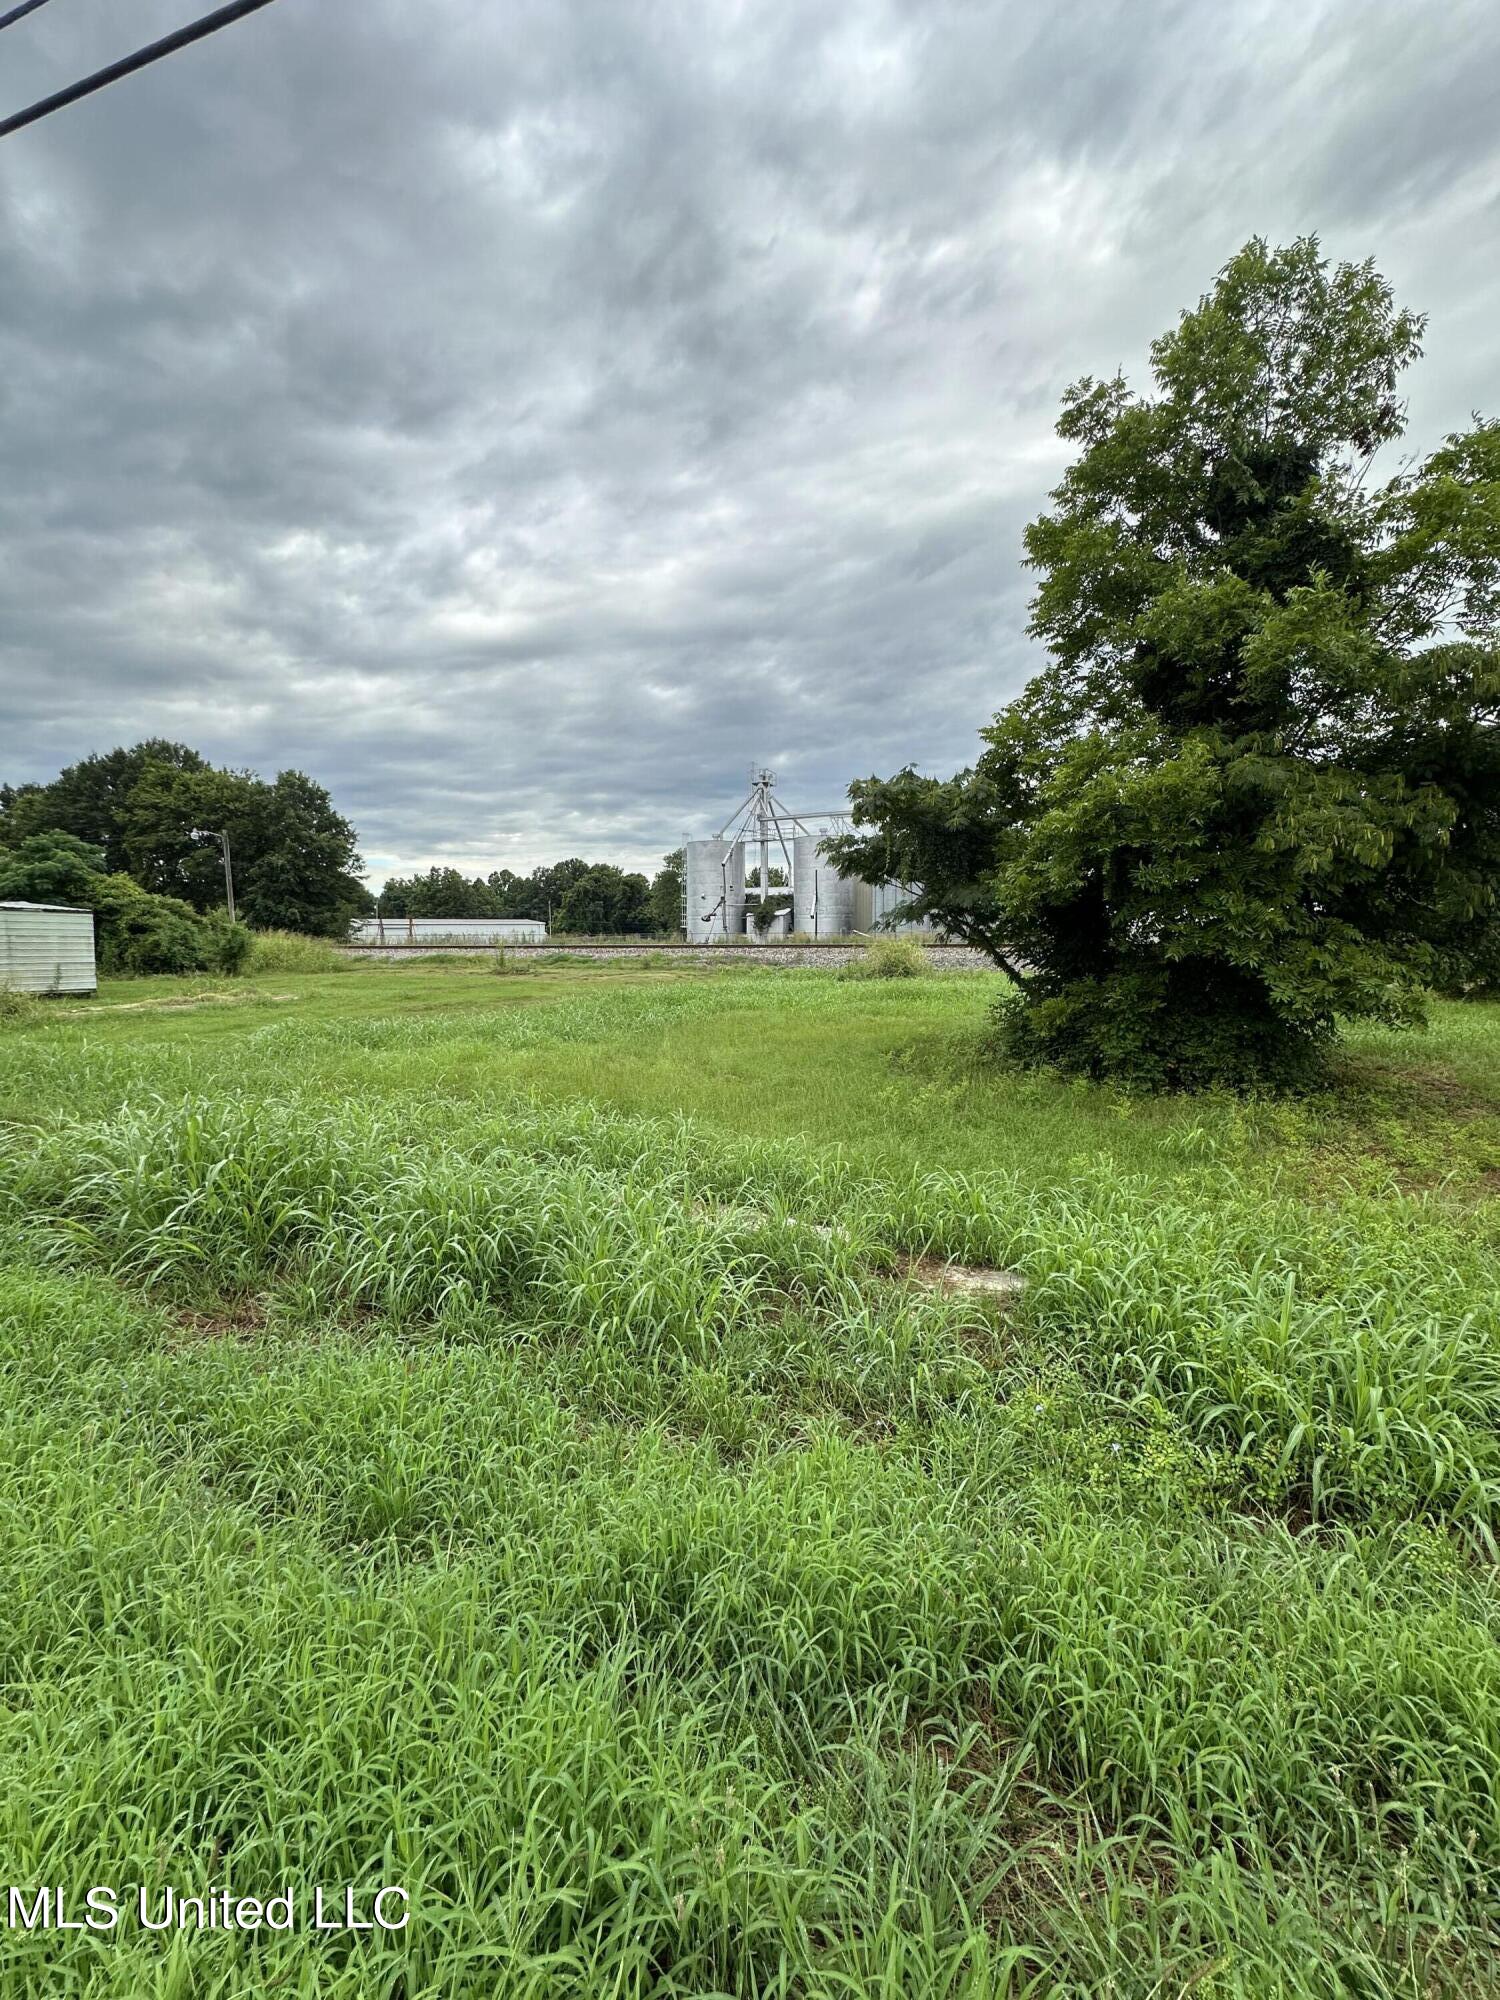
[
  {"x": 982, "y": 1279},
  {"x": 235, "y": 1319},
  {"x": 181, "y": 1004}
]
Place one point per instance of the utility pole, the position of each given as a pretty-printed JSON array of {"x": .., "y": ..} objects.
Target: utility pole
[{"x": 214, "y": 833}]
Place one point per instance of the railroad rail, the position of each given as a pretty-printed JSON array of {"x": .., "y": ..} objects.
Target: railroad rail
[{"x": 785, "y": 953}]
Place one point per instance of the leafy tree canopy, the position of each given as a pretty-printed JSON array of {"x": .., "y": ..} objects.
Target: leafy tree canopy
[
  {"x": 605, "y": 902},
  {"x": 90, "y": 799},
  {"x": 441, "y": 892},
  {"x": 1257, "y": 786},
  {"x": 295, "y": 860},
  {"x": 446, "y": 892},
  {"x": 50, "y": 868}
]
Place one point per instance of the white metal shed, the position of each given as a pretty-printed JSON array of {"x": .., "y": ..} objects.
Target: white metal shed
[{"x": 47, "y": 948}]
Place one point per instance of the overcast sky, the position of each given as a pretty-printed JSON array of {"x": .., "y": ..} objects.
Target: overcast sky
[{"x": 521, "y": 417}]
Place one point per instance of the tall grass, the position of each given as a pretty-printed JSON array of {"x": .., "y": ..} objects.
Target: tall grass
[
  {"x": 294, "y": 951},
  {"x": 20, "y": 1010},
  {"x": 599, "y": 1524},
  {"x": 1333, "y": 1361}
]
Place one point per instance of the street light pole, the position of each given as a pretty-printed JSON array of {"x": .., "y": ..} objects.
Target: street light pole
[
  {"x": 228, "y": 877},
  {"x": 214, "y": 833}
]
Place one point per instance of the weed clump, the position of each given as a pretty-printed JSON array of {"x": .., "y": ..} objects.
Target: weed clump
[
  {"x": 292, "y": 951},
  {"x": 18, "y": 1010},
  {"x": 889, "y": 958}
]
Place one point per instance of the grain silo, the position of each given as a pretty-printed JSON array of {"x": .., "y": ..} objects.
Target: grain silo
[
  {"x": 888, "y": 901},
  {"x": 826, "y": 902},
  {"x": 47, "y": 948},
  {"x": 714, "y": 889}
]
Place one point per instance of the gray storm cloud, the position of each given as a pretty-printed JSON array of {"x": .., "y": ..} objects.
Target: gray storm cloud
[{"x": 521, "y": 418}]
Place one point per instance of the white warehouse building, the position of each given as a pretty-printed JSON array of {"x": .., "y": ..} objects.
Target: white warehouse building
[{"x": 447, "y": 930}]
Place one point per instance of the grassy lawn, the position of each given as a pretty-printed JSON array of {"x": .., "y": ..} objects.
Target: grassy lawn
[{"x": 531, "y": 1439}]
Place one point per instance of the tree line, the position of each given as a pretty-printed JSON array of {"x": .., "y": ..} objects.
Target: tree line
[
  {"x": 574, "y": 897},
  {"x": 134, "y": 835}
]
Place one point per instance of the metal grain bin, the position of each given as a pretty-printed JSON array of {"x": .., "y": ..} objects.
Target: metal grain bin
[
  {"x": 47, "y": 948},
  {"x": 715, "y": 872},
  {"x": 825, "y": 902},
  {"x": 888, "y": 901}
]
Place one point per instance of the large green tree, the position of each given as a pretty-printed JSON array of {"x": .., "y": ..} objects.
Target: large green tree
[
  {"x": 547, "y": 889},
  {"x": 91, "y": 798},
  {"x": 604, "y": 901},
  {"x": 1257, "y": 786},
  {"x": 146, "y": 810},
  {"x": 506, "y": 892},
  {"x": 293, "y": 855}
]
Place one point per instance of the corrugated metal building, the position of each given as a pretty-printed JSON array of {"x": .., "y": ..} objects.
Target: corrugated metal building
[
  {"x": 47, "y": 948},
  {"x": 447, "y": 930}
]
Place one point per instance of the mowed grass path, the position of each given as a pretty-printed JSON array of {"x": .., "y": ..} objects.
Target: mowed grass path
[{"x": 498, "y": 1436}]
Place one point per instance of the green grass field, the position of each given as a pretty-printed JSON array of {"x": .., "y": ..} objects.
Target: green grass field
[{"x": 514, "y": 1438}]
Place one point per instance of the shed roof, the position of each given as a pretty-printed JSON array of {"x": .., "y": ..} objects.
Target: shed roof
[{"x": 72, "y": 909}]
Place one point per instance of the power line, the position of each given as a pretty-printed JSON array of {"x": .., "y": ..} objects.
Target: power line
[
  {"x": 19, "y": 13},
  {"x": 193, "y": 32}
]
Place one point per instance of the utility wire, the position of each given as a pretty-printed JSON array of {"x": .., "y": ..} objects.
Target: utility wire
[
  {"x": 194, "y": 32},
  {"x": 18, "y": 13}
]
